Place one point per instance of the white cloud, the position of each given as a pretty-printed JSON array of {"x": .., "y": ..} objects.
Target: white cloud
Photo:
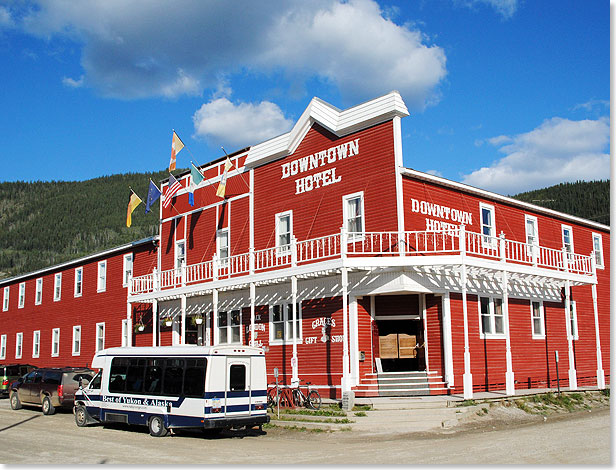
[
  {"x": 506, "y": 8},
  {"x": 141, "y": 49},
  {"x": 239, "y": 124},
  {"x": 72, "y": 83},
  {"x": 557, "y": 151},
  {"x": 6, "y": 20},
  {"x": 434, "y": 172}
]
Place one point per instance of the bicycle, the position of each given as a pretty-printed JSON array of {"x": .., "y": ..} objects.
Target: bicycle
[
  {"x": 311, "y": 399},
  {"x": 273, "y": 395}
]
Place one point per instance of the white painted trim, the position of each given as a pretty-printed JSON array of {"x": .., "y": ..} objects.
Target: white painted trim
[
  {"x": 398, "y": 160},
  {"x": 345, "y": 214},
  {"x": 535, "y": 223},
  {"x": 594, "y": 236},
  {"x": 5, "y": 299},
  {"x": 447, "y": 339},
  {"x": 57, "y": 287},
  {"x": 80, "y": 282},
  {"x": 287, "y": 248},
  {"x": 38, "y": 291},
  {"x": 500, "y": 198},
  {"x": 2, "y": 347},
  {"x": 96, "y": 337},
  {"x": 353, "y": 340},
  {"x": 19, "y": 345},
  {"x": 492, "y": 309},
  {"x": 493, "y": 232},
  {"x": 22, "y": 295},
  {"x": 36, "y": 344},
  {"x": 101, "y": 281},
  {"x": 541, "y": 317},
  {"x": 55, "y": 340},
  {"x": 78, "y": 352}
]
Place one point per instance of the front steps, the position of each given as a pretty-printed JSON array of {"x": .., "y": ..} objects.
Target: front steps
[{"x": 401, "y": 384}]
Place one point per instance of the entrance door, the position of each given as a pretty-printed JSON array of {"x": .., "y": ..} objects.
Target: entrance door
[
  {"x": 398, "y": 345},
  {"x": 238, "y": 390}
]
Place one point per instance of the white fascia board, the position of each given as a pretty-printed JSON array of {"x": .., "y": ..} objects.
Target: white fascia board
[
  {"x": 500, "y": 198},
  {"x": 338, "y": 122}
]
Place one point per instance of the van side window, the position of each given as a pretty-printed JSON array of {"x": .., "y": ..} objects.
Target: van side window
[
  {"x": 153, "y": 376},
  {"x": 134, "y": 375},
  {"x": 174, "y": 374},
  {"x": 117, "y": 374},
  {"x": 194, "y": 378},
  {"x": 237, "y": 377}
]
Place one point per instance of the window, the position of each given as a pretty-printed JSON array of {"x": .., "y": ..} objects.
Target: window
[
  {"x": 573, "y": 324},
  {"x": 180, "y": 254},
  {"x": 124, "y": 333},
  {"x": 281, "y": 328},
  {"x": 532, "y": 237},
  {"x": 3, "y": 347},
  {"x": 101, "y": 285},
  {"x": 491, "y": 313},
  {"x": 488, "y": 228},
  {"x": 100, "y": 336},
  {"x": 597, "y": 246},
  {"x": 567, "y": 238},
  {"x": 536, "y": 311},
  {"x": 284, "y": 231},
  {"x": 237, "y": 377},
  {"x": 19, "y": 338},
  {"x": 76, "y": 340},
  {"x": 36, "y": 343},
  {"x": 57, "y": 287},
  {"x": 222, "y": 246},
  {"x": 5, "y": 302},
  {"x": 353, "y": 213},
  {"x": 128, "y": 269},
  {"x": 39, "y": 291},
  {"x": 78, "y": 281},
  {"x": 55, "y": 342},
  {"x": 229, "y": 327},
  {"x": 22, "y": 295}
]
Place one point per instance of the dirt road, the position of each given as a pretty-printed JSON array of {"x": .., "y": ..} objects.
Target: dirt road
[{"x": 26, "y": 436}]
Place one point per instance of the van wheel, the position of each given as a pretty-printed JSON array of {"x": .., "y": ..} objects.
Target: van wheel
[
  {"x": 81, "y": 416},
  {"x": 15, "y": 403},
  {"x": 157, "y": 427},
  {"x": 48, "y": 408}
]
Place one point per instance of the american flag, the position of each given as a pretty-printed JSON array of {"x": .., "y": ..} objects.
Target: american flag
[{"x": 173, "y": 187}]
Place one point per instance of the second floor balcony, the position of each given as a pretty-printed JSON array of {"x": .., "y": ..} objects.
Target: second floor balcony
[{"x": 375, "y": 249}]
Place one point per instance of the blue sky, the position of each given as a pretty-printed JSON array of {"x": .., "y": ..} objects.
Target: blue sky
[{"x": 506, "y": 95}]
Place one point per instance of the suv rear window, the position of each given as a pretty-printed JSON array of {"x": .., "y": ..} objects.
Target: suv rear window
[
  {"x": 13, "y": 370},
  {"x": 53, "y": 377}
]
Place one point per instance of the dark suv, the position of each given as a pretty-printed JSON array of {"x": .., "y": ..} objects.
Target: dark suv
[
  {"x": 11, "y": 372},
  {"x": 48, "y": 388}
]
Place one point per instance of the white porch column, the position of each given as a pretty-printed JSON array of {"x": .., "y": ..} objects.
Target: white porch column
[
  {"x": 424, "y": 320},
  {"x": 353, "y": 341},
  {"x": 294, "y": 366},
  {"x": 572, "y": 371},
  {"x": 600, "y": 373},
  {"x": 252, "y": 313},
  {"x": 215, "y": 315},
  {"x": 183, "y": 325},
  {"x": 447, "y": 341},
  {"x": 345, "y": 333},
  {"x": 155, "y": 324},
  {"x": 129, "y": 324},
  {"x": 509, "y": 376},
  {"x": 467, "y": 378}
]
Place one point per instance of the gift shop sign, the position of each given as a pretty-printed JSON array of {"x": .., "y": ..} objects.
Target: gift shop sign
[
  {"x": 325, "y": 161},
  {"x": 433, "y": 211}
]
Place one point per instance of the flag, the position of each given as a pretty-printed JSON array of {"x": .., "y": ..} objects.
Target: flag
[
  {"x": 133, "y": 202},
  {"x": 173, "y": 187},
  {"x": 176, "y": 146},
  {"x": 153, "y": 195},
  {"x": 220, "y": 192},
  {"x": 196, "y": 177}
]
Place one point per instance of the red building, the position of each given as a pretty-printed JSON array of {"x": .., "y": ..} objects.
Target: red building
[{"x": 399, "y": 282}]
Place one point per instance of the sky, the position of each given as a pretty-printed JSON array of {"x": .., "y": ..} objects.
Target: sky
[{"x": 504, "y": 95}]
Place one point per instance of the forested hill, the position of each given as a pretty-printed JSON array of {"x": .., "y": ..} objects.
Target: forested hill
[
  {"x": 46, "y": 223},
  {"x": 590, "y": 200}
]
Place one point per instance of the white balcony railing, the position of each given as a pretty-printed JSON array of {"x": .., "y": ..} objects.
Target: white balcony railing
[{"x": 456, "y": 241}]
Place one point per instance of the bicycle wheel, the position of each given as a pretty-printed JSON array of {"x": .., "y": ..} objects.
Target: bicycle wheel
[
  {"x": 272, "y": 398},
  {"x": 314, "y": 400},
  {"x": 298, "y": 398}
]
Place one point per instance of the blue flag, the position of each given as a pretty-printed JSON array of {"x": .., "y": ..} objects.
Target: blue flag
[{"x": 153, "y": 195}]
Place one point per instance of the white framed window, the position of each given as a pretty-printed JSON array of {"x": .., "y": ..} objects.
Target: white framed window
[
  {"x": 101, "y": 283},
  {"x": 36, "y": 343},
  {"x": 127, "y": 269},
  {"x": 125, "y": 332},
  {"x": 488, "y": 226},
  {"x": 180, "y": 254},
  {"x": 77, "y": 340},
  {"x": 22, "y": 295},
  {"x": 19, "y": 340},
  {"x": 353, "y": 214},
  {"x": 3, "y": 347},
  {"x": 55, "y": 342},
  {"x": 229, "y": 326},
  {"x": 532, "y": 233},
  {"x": 567, "y": 238},
  {"x": 38, "y": 296},
  {"x": 537, "y": 319},
  {"x": 491, "y": 317},
  {"x": 78, "y": 282},
  {"x": 57, "y": 287},
  {"x": 284, "y": 232},
  {"x": 100, "y": 336},
  {"x": 222, "y": 246},
  {"x": 5, "y": 300},
  {"x": 597, "y": 246},
  {"x": 281, "y": 322},
  {"x": 573, "y": 323}
]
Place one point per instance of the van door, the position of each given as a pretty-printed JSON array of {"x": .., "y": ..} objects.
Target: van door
[{"x": 238, "y": 397}]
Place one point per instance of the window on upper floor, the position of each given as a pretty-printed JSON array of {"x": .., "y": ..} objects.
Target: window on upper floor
[
  {"x": 38, "y": 296},
  {"x": 22, "y": 295},
  {"x": 597, "y": 246},
  {"x": 101, "y": 284},
  {"x": 128, "y": 269},
  {"x": 180, "y": 254},
  {"x": 78, "y": 282},
  {"x": 491, "y": 316},
  {"x": 284, "y": 231},
  {"x": 281, "y": 322},
  {"x": 5, "y": 301},
  {"x": 532, "y": 233},
  {"x": 567, "y": 238},
  {"x": 488, "y": 227},
  {"x": 57, "y": 287},
  {"x": 222, "y": 246},
  {"x": 353, "y": 213},
  {"x": 537, "y": 319}
]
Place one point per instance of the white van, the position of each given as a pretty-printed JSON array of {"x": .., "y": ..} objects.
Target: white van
[{"x": 168, "y": 387}]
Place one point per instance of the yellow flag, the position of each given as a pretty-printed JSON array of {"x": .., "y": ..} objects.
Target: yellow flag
[
  {"x": 220, "y": 192},
  {"x": 133, "y": 202}
]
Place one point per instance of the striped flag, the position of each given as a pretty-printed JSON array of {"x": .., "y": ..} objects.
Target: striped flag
[
  {"x": 220, "y": 192},
  {"x": 133, "y": 202},
  {"x": 173, "y": 187},
  {"x": 196, "y": 177},
  {"x": 176, "y": 146}
]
